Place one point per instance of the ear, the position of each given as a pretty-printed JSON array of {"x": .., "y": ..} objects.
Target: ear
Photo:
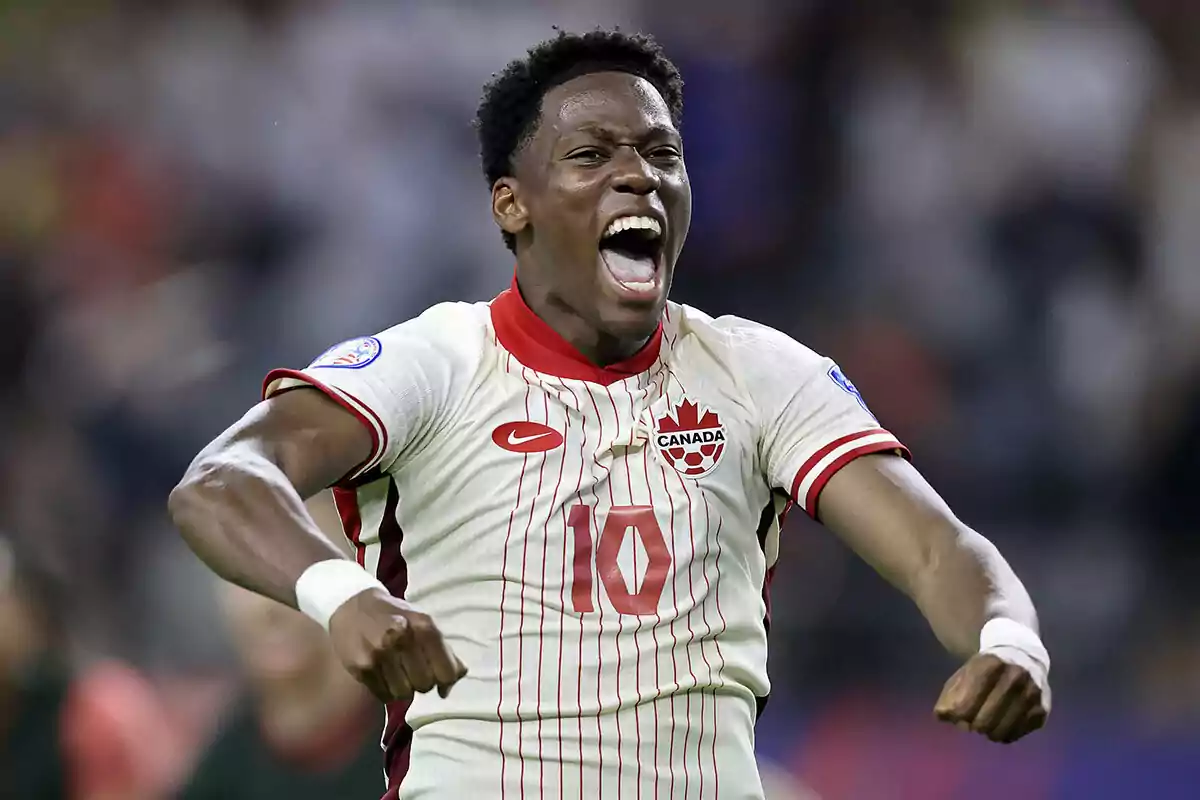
[{"x": 507, "y": 209}]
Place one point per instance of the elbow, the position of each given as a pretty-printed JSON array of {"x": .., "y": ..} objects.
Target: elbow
[
  {"x": 181, "y": 501},
  {"x": 193, "y": 497}
]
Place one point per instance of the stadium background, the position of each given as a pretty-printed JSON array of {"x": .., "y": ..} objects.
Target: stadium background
[{"x": 988, "y": 212}]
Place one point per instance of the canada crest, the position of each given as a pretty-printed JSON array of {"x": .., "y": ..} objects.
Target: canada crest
[{"x": 691, "y": 438}]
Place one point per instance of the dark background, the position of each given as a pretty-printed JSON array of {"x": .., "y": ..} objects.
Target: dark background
[{"x": 987, "y": 212}]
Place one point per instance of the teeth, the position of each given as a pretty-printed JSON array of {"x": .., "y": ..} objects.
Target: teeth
[{"x": 631, "y": 223}]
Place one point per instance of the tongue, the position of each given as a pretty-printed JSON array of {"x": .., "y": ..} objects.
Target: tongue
[{"x": 628, "y": 269}]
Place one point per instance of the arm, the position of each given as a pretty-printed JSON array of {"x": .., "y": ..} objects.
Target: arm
[
  {"x": 240, "y": 507},
  {"x": 820, "y": 443},
  {"x": 889, "y": 515}
]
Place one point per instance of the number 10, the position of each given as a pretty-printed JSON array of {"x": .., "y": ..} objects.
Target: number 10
[{"x": 620, "y": 519}]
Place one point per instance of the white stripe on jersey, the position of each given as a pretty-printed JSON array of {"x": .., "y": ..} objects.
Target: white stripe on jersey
[{"x": 814, "y": 475}]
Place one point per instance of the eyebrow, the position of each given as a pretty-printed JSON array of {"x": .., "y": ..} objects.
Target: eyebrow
[{"x": 607, "y": 135}]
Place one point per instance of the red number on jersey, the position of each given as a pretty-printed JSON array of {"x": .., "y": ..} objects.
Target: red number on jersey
[{"x": 620, "y": 520}]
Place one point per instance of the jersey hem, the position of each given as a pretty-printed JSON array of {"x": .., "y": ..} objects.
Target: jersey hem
[{"x": 822, "y": 465}]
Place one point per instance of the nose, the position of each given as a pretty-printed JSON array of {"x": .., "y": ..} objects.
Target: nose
[{"x": 633, "y": 175}]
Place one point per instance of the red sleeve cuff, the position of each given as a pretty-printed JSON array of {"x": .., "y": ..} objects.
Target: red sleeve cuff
[
  {"x": 825, "y": 463},
  {"x": 279, "y": 381}
]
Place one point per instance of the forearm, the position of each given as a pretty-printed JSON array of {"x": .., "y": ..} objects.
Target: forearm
[
  {"x": 964, "y": 583},
  {"x": 239, "y": 513},
  {"x": 887, "y": 513}
]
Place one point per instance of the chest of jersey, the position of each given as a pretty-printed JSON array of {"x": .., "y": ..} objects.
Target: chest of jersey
[{"x": 598, "y": 498}]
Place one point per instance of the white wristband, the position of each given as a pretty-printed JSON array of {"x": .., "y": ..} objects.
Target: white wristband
[
  {"x": 1014, "y": 643},
  {"x": 326, "y": 585}
]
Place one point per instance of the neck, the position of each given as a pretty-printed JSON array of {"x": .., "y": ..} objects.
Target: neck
[{"x": 601, "y": 348}]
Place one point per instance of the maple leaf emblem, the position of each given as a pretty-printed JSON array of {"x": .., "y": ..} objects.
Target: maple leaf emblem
[
  {"x": 687, "y": 417},
  {"x": 691, "y": 439}
]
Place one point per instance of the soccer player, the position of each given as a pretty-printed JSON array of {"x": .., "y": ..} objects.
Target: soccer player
[{"x": 566, "y": 503}]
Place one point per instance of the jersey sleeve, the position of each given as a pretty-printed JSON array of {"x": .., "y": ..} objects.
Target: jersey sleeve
[
  {"x": 812, "y": 420},
  {"x": 399, "y": 383}
]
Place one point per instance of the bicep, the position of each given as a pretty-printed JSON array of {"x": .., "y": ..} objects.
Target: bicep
[
  {"x": 313, "y": 440},
  {"x": 888, "y": 514}
]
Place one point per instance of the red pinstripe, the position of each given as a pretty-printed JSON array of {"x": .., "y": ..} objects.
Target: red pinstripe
[
  {"x": 645, "y": 393},
  {"x": 620, "y": 617},
  {"x": 521, "y": 617},
  {"x": 674, "y": 636},
  {"x": 579, "y": 678},
  {"x": 704, "y": 619},
  {"x": 658, "y": 617},
  {"x": 637, "y": 647},
  {"x": 717, "y": 638},
  {"x": 600, "y": 615},
  {"x": 703, "y": 614},
  {"x": 542, "y": 622},
  {"x": 503, "y": 596},
  {"x": 691, "y": 632},
  {"x": 687, "y": 649},
  {"x": 637, "y": 715}
]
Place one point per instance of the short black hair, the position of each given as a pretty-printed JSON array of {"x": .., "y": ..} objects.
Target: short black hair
[{"x": 512, "y": 100}]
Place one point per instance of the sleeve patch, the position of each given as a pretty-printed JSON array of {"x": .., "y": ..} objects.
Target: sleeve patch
[
  {"x": 354, "y": 354},
  {"x": 845, "y": 384}
]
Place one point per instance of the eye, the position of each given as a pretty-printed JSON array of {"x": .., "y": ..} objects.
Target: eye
[
  {"x": 665, "y": 155},
  {"x": 586, "y": 155}
]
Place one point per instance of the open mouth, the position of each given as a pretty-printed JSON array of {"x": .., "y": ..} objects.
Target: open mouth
[{"x": 631, "y": 248}]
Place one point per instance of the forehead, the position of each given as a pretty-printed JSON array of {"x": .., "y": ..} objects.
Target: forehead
[{"x": 617, "y": 101}]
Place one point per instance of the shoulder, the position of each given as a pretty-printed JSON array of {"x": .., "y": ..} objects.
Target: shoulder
[
  {"x": 453, "y": 328},
  {"x": 453, "y": 333},
  {"x": 742, "y": 341}
]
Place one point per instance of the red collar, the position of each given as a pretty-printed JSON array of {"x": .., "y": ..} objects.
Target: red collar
[{"x": 537, "y": 345}]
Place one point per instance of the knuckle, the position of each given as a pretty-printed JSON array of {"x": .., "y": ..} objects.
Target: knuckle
[
  {"x": 985, "y": 663},
  {"x": 362, "y": 666},
  {"x": 399, "y": 633},
  {"x": 1025, "y": 678},
  {"x": 422, "y": 626}
]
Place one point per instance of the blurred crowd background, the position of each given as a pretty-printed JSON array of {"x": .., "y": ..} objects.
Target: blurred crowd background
[{"x": 988, "y": 212}]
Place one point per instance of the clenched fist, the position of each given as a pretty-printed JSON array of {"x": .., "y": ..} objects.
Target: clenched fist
[
  {"x": 995, "y": 698},
  {"x": 391, "y": 648}
]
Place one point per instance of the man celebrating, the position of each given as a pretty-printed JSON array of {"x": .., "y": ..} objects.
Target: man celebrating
[{"x": 566, "y": 503}]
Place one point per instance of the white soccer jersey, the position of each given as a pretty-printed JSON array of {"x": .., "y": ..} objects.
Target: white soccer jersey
[{"x": 595, "y": 544}]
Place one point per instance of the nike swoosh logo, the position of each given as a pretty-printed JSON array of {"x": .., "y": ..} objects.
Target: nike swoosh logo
[{"x": 515, "y": 440}]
